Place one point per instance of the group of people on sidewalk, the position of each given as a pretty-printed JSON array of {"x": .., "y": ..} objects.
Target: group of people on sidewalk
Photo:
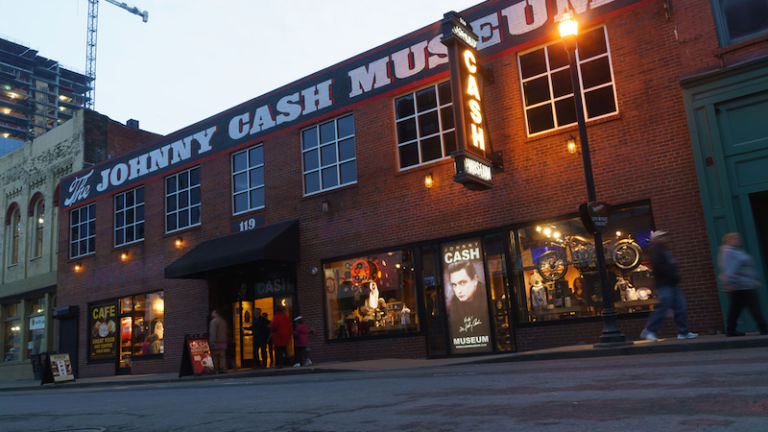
[
  {"x": 268, "y": 337},
  {"x": 738, "y": 277}
]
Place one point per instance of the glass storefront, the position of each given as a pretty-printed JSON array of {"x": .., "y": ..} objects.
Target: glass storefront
[
  {"x": 12, "y": 330},
  {"x": 36, "y": 329},
  {"x": 371, "y": 295},
  {"x": 558, "y": 278}
]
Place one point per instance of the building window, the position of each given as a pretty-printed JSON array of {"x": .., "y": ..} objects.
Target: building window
[
  {"x": 372, "y": 295},
  {"x": 328, "y": 155},
  {"x": 36, "y": 342},
  {"x": 248, "y": 179},
  {"x": 39, "y": 226},
  {"x": 129, "y": 216},
  {"x": 82, "y": 231},
  {"x": 559, "y": 277},
  {"x": 12, "y": 330},
  {"x": 15, "y": 236},
  {"x": 182, "y": 200},
  {"x": 546, "y": 83},
  {"x": 739, "y": 20},
  {"x": 424, "y": 124}
]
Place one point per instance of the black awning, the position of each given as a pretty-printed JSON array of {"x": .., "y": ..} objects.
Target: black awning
[{"x": 276, "y": 242}]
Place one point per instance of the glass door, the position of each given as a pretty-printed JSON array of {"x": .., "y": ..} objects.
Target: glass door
[
  {"x": 434, "y": 306},
  {"x": 498, "y": 287}
]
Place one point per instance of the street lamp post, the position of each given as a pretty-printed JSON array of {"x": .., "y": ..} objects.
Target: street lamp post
[{"x": 611, "y": 334}]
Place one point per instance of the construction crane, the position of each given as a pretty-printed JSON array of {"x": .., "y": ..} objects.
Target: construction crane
[{"x": 90, "y": 47}]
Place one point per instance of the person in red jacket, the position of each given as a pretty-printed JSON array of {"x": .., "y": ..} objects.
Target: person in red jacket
[{"x": 281, "y": 336}]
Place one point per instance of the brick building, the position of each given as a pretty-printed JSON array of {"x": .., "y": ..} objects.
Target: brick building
[
  {"x": 409, "y": 202},
  {"x": 29, "y": 177}
]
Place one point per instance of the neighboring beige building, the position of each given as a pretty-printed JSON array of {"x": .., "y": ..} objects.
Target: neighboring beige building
[{"x": 28, "y": 256}]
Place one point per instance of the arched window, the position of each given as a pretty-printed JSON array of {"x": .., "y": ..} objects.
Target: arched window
[
  {"x": 15, "y": 227},
  {"x": 39, "y": 225}
]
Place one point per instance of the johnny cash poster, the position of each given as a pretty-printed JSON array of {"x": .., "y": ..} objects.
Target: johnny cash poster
[{"x": 466, "y": 299}]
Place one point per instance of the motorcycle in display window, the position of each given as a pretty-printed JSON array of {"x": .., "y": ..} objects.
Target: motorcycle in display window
[{"x": 579, "y": 252}]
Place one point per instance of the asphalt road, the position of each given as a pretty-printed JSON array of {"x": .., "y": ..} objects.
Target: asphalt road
[{"x": 697, "y": 391}]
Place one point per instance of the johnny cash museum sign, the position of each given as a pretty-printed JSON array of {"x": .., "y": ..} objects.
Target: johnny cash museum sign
[{"x": 498, "y": 27}]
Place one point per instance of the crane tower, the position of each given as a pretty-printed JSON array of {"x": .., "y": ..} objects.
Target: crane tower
[{"x": 90, "y": 47}]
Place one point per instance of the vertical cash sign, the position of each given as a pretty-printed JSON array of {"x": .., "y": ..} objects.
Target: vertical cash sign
[{"x": 473, "y": 166}]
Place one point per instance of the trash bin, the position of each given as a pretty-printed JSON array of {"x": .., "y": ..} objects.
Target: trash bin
[{"x": 37, "y": 366}]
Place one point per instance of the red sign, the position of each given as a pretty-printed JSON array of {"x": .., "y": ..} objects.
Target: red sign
[{"x": 200, "y": 356}]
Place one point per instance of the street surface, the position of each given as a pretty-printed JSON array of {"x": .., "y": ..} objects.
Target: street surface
[{"x": 725, "y": 390}]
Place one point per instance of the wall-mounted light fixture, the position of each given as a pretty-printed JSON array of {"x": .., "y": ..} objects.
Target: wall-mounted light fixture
[
  {"x": 325, "y": 206},
  {"x": 429, "y": 181},
  {"x": 571, "y": 144},
  {"x": 179, "y": 242},
  {"x": 78, "y": 268},
  {"x": 123, "y": 257}
]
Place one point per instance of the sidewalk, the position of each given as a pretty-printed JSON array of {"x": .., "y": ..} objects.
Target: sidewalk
[{"x": 702, "y": 343}]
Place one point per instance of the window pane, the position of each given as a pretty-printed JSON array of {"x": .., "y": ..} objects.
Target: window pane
[
  {"x": 194, "y": 215},
  {"x": 404, "y": 106},
  {"x": 256, "y": 156},
  {"x": 311, "y": 161},
  {"x": 170, "y": 203},
  {"x": 426, "y": 99},
  {"x": 119, "y": 202},
  {"x": 309, "y": 138},
  {"x": 241, "y": 182},
  {"x": 444, "y": 92},
  {"x": 194, "y": 176},
  {"x": 183, "y": 218},
  {"x": 312, "y": 182},
  {"x": 347, "y": 149},
  {"x": 449, "y": 141},
  {"x": 330, "y": 177},
  {"x": 119, "y": 219},
  {"x": 129, "y": 218},
  {"x": 327, "y": 132},
  {"x": 566, "y": 111},
  {"x": 558, "y": 56},
  {"x": 140, "y": 195},
  {"x": 140, "y": 231},
  {"x": 561, "y": 83},
  {"x": 591, "y": 43},
  {"x": 129, "y": 199},
  {"x": 431, "y": 149},
  {"x": 348, "y": 172},
  {"x": 540, "y": 119},
  {"x": 346, "y": 126},
  {"x": 446, "y": 115},
  {"x": 140, "y": 212},
  {"x": 183, "y": 180},
  {"x": 194, "y": 196},
  {"x": 745, "y": 17},
  {"x": 257, "y": 198},
  {"x": 129, "y": 234},
  {"x": 119, "y": 237},
  {"x": 536, "y": 91},
  {"x": 428, "y": 123},
  {"x": 241, "y": 202},
  {"x": 595, "y": 72},
  {"x": 406, "y": 130},
  {"x": 170, "y": 184},
  {"x": 183, "y": 200},
  {"x": 170, "y": 222},
  {"x": 239, "y": 162},
  {"x": 328, "y": 155},
  {"x": 533, "y": 63},
  {"x": 600, "y": 102},
  {"x": 257, "y": 177},
  {"x": 409, "y": 155}
]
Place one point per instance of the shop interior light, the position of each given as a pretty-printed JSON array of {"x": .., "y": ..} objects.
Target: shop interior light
[
  {"x": 179, "y": 242},
  {"x": 571, "y": 144},
  {"x": 159, "y": 306},
  {"x": 428, "y": 181}
]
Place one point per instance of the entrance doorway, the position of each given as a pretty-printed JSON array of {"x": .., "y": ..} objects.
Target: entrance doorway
[{"x": 246, "y": 331}]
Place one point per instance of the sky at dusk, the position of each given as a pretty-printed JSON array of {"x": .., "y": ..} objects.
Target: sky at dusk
[{"x": 196, "y": 58}]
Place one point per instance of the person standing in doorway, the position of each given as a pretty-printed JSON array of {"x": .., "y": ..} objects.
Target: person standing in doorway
[
  {"x": 260, "y": 338},
  {"x": 739, "y": 277},
  {"x": 300, "y": 341},
  {"x": 217, "y": 337},
  {"x": 281, "y": 336},
  {"x": 667, "y": 277}
]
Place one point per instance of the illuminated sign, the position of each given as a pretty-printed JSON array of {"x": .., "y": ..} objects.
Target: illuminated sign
[{"x": 472, "y": 158}]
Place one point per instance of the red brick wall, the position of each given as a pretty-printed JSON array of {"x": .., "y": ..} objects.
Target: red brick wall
[{"x": 642, "y": 153}]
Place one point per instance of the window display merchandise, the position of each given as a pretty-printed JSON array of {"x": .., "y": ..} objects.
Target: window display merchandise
[{"x": 371, "y": 295}]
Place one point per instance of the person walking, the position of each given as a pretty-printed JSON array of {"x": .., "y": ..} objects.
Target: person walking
[
  {"x": 300, "y": 342},
  {"x": 739, "y": 277},
  {"x": 281, "y": 336},
  {"x": 217, "y": 337},
  {"x": 667, "y": 276}
]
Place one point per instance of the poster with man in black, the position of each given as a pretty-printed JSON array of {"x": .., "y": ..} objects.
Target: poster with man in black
[{"x": 466, "y": 298}]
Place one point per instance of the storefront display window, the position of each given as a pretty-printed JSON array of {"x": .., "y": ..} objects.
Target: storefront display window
[
  {"x": 12, "y": 321},
  {"x": 36, "y": 329},
  {"x": 371, "y": 295},
  {"x": 559, "y": 277}
]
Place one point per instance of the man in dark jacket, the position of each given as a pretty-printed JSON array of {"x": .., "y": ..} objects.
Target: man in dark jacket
[{"x": 667, "y": 276}]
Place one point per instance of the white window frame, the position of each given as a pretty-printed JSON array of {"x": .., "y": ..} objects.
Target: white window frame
[
  {"x": 91, "y": 210},
  {"x": 249, "y": 168},
  {"x": 549, "y": 72},
  {"x": 441, "y": 131},
  {"x": 335, "y": 142},
  {"x": 189, "y": 205},
  {"x": 124, "y": 211}
]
